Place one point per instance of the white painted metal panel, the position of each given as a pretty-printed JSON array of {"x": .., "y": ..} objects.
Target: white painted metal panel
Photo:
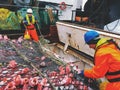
[
  {"x": 67, "y": 13},
  {"x": 59, "y": 1},
  {"x": 73, "y": 35}
]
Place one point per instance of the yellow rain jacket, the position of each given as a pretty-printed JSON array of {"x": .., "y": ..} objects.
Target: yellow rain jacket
[
  {"x": 28, "y": 19},
  {"x": 107, "y": 63}
]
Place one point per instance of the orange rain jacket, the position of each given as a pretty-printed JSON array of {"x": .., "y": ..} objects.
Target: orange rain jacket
[{"x": 107, "y": 63}]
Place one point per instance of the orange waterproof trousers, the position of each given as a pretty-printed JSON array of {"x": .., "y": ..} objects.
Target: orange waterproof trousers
[{"x": 33, "y": 34}]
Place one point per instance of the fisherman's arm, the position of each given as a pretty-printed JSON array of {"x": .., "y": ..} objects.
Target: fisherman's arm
[{"x": 100, "y": 69}]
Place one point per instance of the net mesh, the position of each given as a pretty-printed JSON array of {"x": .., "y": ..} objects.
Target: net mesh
[{"x": 8, "y": 20}]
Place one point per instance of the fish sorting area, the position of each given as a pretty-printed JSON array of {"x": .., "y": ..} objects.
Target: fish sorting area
[{"x": 23, "y": 66}]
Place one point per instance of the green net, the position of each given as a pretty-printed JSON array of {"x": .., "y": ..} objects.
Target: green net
[
  {"x": 37, "y": 16},
  {"x": 44, "y": 17},
  {"x": 8, "y": 20},
  {"x": 22, "y": 13}
]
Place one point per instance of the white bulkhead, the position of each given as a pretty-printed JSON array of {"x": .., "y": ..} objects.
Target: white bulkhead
[{"x": 71, "y": 5}]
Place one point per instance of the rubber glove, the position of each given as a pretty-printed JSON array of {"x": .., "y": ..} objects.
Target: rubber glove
[
  {"x": 78, "y": 73},
  {"x": 81, "y": 73},
  {"x": 25, "y": 22}
]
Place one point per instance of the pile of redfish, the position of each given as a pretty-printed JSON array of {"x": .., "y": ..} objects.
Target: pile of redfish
[{"x": 17, "y": 74}]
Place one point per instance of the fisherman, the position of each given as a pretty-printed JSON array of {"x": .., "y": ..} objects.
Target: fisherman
[
  {"x": 29, "y": 22},
  {"x": 106, "y": 60}
]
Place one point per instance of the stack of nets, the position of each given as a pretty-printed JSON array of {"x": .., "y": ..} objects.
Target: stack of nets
[{"x": 8, "y": 20}]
